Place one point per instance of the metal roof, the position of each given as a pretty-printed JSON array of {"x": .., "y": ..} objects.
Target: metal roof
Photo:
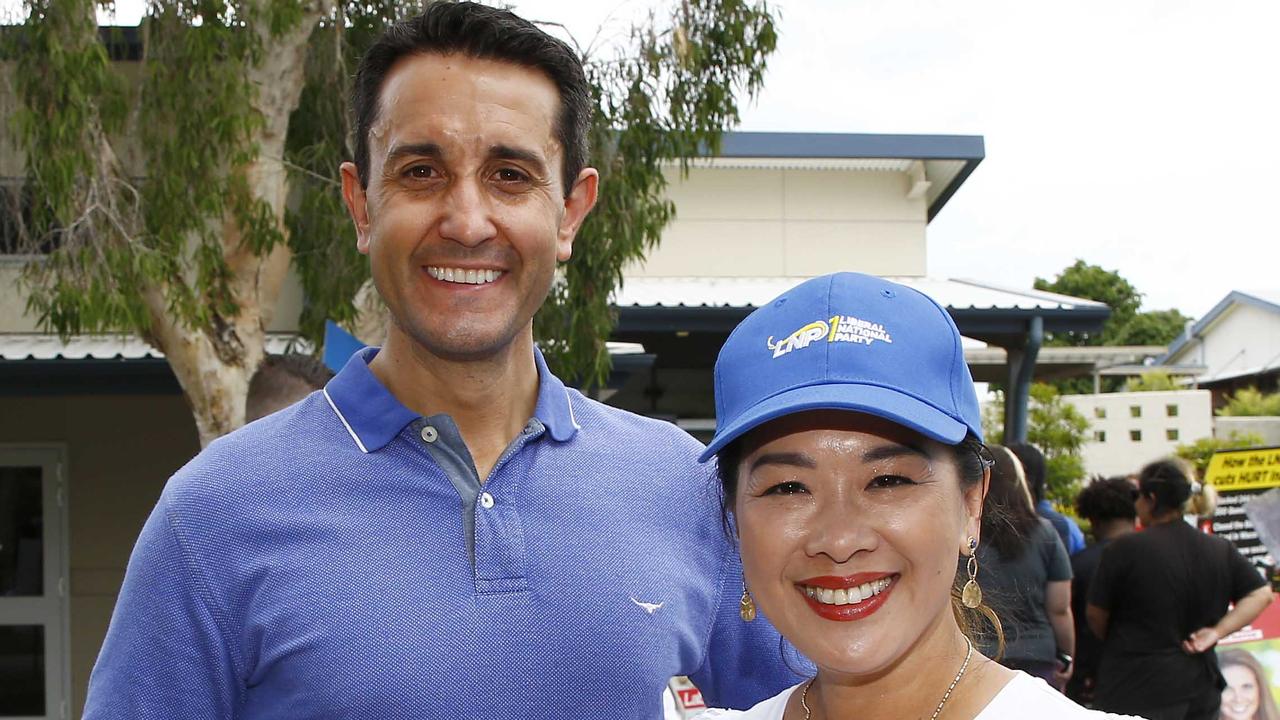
[
  {"x": 750, "y": 292},
  {"x": 41, "y": 346}
]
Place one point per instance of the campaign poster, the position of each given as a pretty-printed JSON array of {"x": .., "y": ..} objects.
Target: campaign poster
[{"x": 1249, "y": 658}]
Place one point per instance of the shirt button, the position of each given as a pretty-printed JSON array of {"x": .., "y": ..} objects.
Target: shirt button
[
  {"x": 429, "y": 434},
  {"x": 486, "y": 500}
]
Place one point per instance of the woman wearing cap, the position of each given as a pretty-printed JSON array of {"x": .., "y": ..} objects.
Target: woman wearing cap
[
  {"x": 850, "y": 452},
  {"x": 1161, "y": 599}
]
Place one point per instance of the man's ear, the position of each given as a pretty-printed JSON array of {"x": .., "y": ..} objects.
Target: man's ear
[
  {"x": 357, "y": 204},
  {"x": 577, "y": 203}
]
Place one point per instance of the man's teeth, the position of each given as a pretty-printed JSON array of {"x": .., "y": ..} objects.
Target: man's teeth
[
  {"x": 466, "y": 277},
  {"x": 848, "y": 596}
]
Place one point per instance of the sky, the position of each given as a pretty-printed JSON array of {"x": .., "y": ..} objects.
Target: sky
[{"x": 1142, "y": 135}]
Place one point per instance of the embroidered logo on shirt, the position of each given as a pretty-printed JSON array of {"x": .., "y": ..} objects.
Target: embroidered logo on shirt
[{"x": 648, "y": 607}]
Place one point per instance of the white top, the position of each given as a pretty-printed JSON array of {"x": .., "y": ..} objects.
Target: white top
[{"x": 1024, "y": 696}]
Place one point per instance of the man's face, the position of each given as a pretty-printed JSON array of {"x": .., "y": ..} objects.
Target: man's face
[{"x": 465, "y": 216}]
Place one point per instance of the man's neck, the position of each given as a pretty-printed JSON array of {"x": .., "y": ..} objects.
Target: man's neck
[
  {"x": 489, "y": 399},
  {"x": 1109, "y": 530}
]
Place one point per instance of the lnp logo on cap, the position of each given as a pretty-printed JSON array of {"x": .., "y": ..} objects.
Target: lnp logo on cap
[{"x": 838, "y": 328}]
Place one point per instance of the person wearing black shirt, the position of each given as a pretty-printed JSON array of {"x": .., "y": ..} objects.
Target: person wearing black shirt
[
  {"x": 1159, "y": 600},
  {"x": 1108, "y": 506}
]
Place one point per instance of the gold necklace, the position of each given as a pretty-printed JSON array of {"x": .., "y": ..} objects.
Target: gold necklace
[{"x": 808, "y": 714}]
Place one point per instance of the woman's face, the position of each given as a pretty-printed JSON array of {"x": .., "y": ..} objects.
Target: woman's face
[
  {"x": 1240, "y": 697},
  {"x": 850, "y": 528}
]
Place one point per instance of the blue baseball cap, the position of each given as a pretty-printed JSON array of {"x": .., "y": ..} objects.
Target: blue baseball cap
[{"x": 846, "y": 341}]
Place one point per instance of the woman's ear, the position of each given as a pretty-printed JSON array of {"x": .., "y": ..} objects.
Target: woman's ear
[{"x": 973, "y": 499}]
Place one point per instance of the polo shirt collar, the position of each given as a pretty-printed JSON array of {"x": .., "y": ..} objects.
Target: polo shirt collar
[{"x": 374, "y": 417}]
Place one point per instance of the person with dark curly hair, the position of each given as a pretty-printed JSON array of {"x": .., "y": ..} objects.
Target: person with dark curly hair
[
  {"x": 1108, "y": 505},
  {"x": 1160, "y": 601}
]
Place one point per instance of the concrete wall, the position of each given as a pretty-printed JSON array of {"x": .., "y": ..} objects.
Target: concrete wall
[
  {"x": 120, "y": 450},
  {"x": 783, "y": 222},
  {"x": 1162, "y": 421},
  {"x": 1267, "y": 427}
]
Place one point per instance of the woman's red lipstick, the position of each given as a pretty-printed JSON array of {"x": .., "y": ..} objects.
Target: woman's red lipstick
[{"x": 854, "y": 611}]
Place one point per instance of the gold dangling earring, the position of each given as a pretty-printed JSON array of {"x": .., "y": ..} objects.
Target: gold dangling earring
[
  {"x": 971, "y": 595},
  {"x": 746, "y": 606}
]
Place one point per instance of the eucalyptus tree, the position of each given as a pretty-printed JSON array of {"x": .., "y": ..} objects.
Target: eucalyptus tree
[{"x": 239, "y": 121}]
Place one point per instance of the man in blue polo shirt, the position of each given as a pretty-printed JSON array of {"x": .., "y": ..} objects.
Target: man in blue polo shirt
[{"x": 445, "y": 530}]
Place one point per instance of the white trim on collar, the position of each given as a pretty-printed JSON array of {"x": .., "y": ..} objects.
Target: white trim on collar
[
  {"x": 345, "y": 424},
  {"x": 568, "y": 399}
]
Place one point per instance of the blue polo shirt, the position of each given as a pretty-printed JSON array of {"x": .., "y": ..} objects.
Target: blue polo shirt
[{"x": 334, "y": 560}]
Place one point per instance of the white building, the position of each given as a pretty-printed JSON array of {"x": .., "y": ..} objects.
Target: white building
[
  {"x": 1130, "y": 429},
  {"x": 1237, "y": 342}
]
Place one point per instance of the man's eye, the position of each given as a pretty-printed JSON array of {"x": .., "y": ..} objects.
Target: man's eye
[
  {"x": 420, "y": 172},
  {"x": 886, "y": 481},
  {"x": 786, "y": 488},
  {"x": 511, "y": 175}
]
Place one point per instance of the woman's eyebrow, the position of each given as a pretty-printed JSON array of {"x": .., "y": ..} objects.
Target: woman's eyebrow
[
  {"x": 893, "y": 450},
  {"x": 791, "y": 459}
]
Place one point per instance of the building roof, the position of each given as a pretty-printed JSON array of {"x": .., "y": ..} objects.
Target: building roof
[
  {"x": 985, "y": 311},
  {"x": 947, "y": 159},
  {"x": 752, "y": 292},
  {"x": 1266, "y": 300}
]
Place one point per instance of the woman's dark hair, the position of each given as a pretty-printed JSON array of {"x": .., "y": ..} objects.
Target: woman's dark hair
[
  {"x": 1033, "y": 467},
  {"x": 1166, "y": 482},
  {"x": 1267, "y": 709},
  {"x": 972, "y": 460},
  {"x": 1008, "y": 517},
  {"x": 482, "y": 32},
  {"x": 1107, "y": 499}
]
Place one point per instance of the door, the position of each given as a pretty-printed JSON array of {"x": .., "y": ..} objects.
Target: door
[{"x": 33, "y": 639}]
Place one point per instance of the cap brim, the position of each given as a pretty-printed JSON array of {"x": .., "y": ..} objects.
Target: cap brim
[{"x": 870, "y": 399}]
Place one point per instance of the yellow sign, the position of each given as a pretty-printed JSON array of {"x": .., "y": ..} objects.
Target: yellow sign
[{"x": 1231, "y": 470}]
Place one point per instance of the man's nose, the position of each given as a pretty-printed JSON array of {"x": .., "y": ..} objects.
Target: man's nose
[
  {"x": 468, "y": 215},
  {"x": 840, "y": 530}
]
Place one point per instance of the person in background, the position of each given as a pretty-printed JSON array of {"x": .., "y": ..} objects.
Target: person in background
[
  {"x": 1033, "y": 464},
  {"x": 282, "y": 380},
  {"x": 1247, "y": 695},
  {"x": 1027, "y": 577},
  {"x": 1161, "y": 599},
  {"x": 1108, "y": 506}
]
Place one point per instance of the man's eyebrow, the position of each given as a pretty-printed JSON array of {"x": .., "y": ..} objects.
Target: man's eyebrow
[
  {"x": 508, "y": 152},
  {"x": 893, "y": 450},
  {"x": 427, "y": 149},
  {"x": 791, "y": 459}
]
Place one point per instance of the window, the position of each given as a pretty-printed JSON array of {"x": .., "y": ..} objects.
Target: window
[
  {"x": 1100, "y": 436},
  {"x": 1135, "y": 411},
  {"x": 1171, "y": 410},
  {"x": 1135, "y": 435},
  {"x": 1171, "y": 434},
  {"x": 1100, "y": 413}
]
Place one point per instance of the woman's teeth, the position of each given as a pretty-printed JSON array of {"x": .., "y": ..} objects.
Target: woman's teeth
[
  {"x": 848, "y": 596},
  {"x": 466, "y": 277}
]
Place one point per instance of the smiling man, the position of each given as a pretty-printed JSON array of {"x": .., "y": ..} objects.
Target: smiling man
[{"x": 445, "y": 530}]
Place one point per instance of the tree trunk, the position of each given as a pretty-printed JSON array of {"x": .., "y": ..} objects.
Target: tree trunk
[{"x": 214, "y": 365}]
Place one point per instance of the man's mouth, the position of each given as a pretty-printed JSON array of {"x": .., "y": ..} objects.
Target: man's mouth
[{"x": 463, "y": 276}]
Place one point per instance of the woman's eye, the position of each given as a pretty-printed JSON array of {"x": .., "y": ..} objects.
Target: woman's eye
[
  {"x": 786, "y": 488},
  {"x": 883, "y": 481}
]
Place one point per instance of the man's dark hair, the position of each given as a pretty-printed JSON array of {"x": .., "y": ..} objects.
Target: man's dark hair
[
  {"x": 282, "y": 380},
  {"x": 481, "y": 32},
  {"x": 1033, "y": 465},
  {"x": 1107, "y": 499}
]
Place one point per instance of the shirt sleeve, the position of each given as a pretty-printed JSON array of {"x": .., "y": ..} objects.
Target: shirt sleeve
[
  {"x": 743, "y": 662},
  {"x": 1245, "y": 577},
  {"x": 164, "y": 655},
  {"x": 1058, "y": 563},
  {"x": 1076, "y": 537}
]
